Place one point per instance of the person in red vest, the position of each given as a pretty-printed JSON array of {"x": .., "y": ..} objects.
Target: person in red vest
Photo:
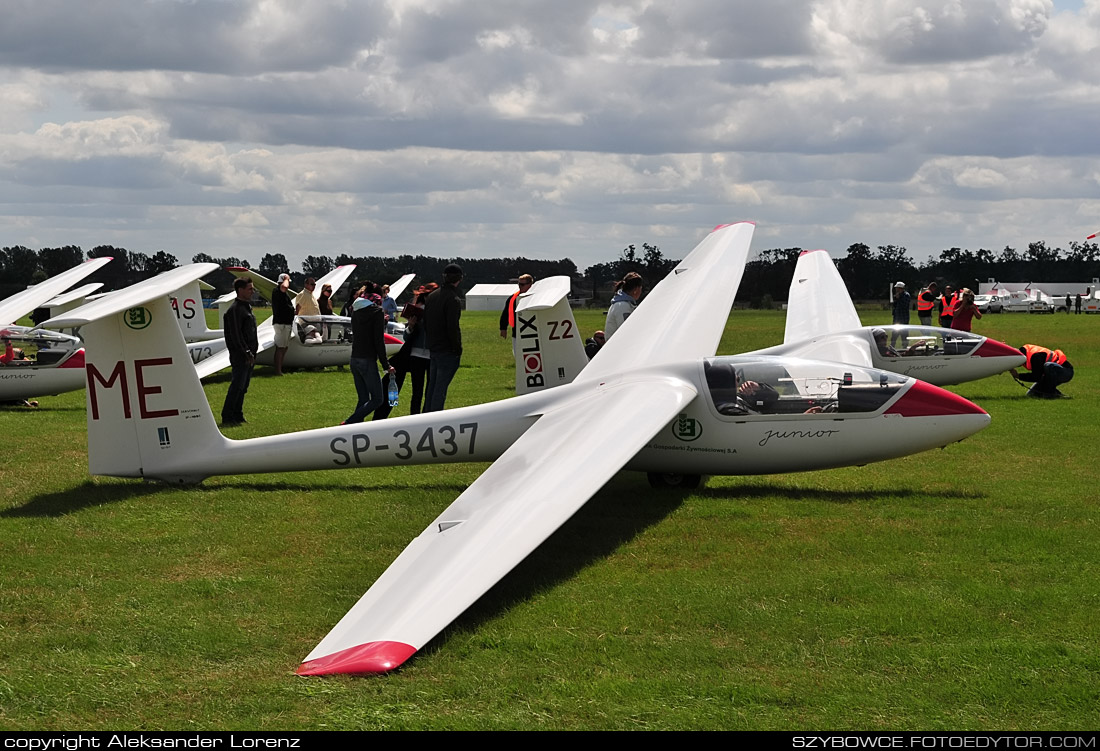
[
  {"x": 1047, "y": 369},
  {"x": 926, "y": 301},
  {"x": 947, "y": 306},
  {"x": 508, "y": 315}
]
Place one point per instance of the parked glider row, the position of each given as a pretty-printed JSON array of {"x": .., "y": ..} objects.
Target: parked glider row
[
  {"x": 762, "y": 412},
  {"x": 59, "y": 359}
]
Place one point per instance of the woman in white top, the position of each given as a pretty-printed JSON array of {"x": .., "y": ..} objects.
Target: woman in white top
[{"x": 627, "y": 293}]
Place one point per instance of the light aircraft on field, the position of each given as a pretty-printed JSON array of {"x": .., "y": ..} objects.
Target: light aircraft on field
[
  {"x": 823, "y": 323},
  {"x": 52, "y": 362},
  {"x": 655, "y": 399}
]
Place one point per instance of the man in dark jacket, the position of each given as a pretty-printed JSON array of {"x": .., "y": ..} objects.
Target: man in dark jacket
[
  {"x": 240, "y": 339},
  {"x": 442, "y": 311},
  {"x": 368, "y": 344}
]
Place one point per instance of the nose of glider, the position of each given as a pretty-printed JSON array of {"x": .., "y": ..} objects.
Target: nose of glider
[
  {"x": 925, "y": 400},
  {"x": 994, "y": 348},
  {"x": 373, "y": 657}
]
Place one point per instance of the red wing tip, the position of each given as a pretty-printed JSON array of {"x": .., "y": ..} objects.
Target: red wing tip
[
  {"x": 366, "y": 659},
  {"x": 818, "y": 250},
  {"x": 723, "y": 226}
]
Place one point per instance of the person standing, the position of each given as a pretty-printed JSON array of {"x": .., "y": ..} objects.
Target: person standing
[
  {"x": 282, "y": 320},
  {"x": 627, "y": 293},
  {"x": 965, "y": 311},
  {"x": 305, "y": 304},
  {"x": 947, "y": 306},
  {"x": 900, "y": 312},
  {"x": 324, "y": 302},
  {"x": 239, "y": 325},
  {"x": 1077, "y": 304},
  {"x": 508, "y": 315},
  {"x": 1068, "y": 301},
  {"x": 413, "y": 359},
  {"x": 442, "y": 311},
  {"x": 368, "y": 345},
  {"x": 389, "y": 305},
  {"x": 926, "y": 301}
]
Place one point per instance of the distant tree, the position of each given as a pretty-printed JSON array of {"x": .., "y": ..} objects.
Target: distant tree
[
  {"x": 273, "y": 264},
  {"x": 139, "y": 263},
  {"x": 160, "y": 262},
  {"x": 317, "y": 266},
  {"x": 20, "y": 263},
  {"x": 53, "y": 261}
]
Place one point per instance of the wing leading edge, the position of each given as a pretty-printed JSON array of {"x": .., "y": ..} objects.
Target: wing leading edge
[{"x": 530, "y": 491}]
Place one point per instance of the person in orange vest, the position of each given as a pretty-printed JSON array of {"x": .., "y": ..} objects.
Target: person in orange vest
[
  {"x": 508, "y": 315},
  {"x": 926, "y": 301},
  {"x": 1047, "y": 369},
  {"x": 947, "y": 306}
]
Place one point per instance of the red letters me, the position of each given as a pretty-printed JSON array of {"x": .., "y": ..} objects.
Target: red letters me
[{"x": 143, "y": 391}]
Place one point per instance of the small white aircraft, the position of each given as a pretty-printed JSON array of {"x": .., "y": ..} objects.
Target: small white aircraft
[
  {"x": 823, "y": 323},
  {"x": 654, "y": 399},
  {"x": 316, "y": 341},
  {"x": 52, "y": 363}
]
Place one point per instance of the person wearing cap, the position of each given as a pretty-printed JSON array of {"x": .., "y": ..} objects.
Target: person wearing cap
[
  {"x": 368, "y": 345},
  {"x": 282, "y": 320},
  {"x": 508, "y": 315},
  {"x": 442, "y": 311},
  {"x": 902, "y": 300}
]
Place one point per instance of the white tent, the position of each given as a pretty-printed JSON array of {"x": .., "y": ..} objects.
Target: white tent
[{"x": 489, "y": 296}]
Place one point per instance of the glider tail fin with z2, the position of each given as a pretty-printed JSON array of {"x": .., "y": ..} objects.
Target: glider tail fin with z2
[
  {"x": 139, "y": 401},
  {"x": 548, "y": 347}
]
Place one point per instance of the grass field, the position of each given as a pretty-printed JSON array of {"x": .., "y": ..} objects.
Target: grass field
[{"x": 955, "y": 589}]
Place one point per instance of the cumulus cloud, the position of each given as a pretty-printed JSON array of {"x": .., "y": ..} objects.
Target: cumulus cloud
[{"x": 567, "y": 128}]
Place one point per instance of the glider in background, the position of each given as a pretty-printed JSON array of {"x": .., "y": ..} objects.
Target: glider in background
[
  {"x": 654, "y": 399},
  {"x": 822, "y": 323}
]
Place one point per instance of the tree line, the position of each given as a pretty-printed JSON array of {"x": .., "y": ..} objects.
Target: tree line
[{"x": 867, "y": 273}]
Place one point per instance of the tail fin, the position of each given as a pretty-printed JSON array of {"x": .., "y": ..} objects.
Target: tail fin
[
  {"x": 147, "y": 411},
  {"x": 187, "y": 305},
  {"x": 548, "y": 347},
  {"x": 818, "y": 302}
]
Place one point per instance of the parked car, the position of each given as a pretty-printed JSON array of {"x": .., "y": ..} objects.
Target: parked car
[{"x": 988, "y": 303}]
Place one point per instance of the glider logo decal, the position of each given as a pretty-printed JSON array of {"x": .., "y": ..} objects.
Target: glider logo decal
[
  {"x": 529, "y": 346},
  {"x": 687, "y": 428},
  {"x": 137, "y": 318}
]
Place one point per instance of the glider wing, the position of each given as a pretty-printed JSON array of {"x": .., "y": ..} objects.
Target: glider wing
[
  {"x": 530, "y": 491},
  {"x": 683, "y": 318},
  {"x": 21, "y": 303}
]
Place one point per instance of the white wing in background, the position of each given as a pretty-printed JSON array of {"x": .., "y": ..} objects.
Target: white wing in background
[
  {"x": 684, "y": 316},
  {"x": 530, "y": 491},
  {"x": 399, "y": 286},
  {"x": 818, "y": 302},
  {"x": 21, "y": 303}
]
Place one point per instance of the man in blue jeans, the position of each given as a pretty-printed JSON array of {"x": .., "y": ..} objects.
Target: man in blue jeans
[
  {"x": 442, "y": 311},
  {"x": 368, "y": 345},
  {"x": 239, "y": 325}
]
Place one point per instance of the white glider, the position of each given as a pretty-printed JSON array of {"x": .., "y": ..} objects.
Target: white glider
[
  {"x": 655, "y": 399},
  {"x": 21, "y": 303},
  {"x": 822, "y": 323}
]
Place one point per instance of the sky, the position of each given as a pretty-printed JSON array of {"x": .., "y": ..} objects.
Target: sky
[{"x": 565, "y": 129}]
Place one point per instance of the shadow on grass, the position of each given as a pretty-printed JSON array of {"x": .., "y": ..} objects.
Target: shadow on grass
[
  {"x": 834, "y": 496},
  {"x": 618, "y": 513},
  {"x": 86, "y": 495}
]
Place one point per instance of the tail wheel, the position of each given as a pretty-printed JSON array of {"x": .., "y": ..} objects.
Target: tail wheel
[{"x": 673, "y": 481}]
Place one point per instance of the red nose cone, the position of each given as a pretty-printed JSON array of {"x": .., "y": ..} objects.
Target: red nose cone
[
  {"x": 394, "y": 340},
  {"x": 994, "y": 348},
  {"x": 373, "y": 657},
  {"x": 925, "y": 400},
  {"x": 75, "y": 361}
]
